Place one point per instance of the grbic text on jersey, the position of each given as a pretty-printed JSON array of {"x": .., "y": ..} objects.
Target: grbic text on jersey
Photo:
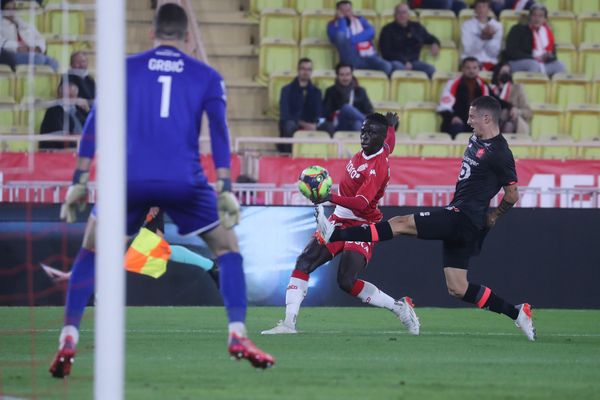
[{"x": 165, "y": 65}]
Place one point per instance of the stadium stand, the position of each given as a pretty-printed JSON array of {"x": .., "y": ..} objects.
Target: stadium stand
[
  {"x": 420, "y": 118},
  {"x": 568, "y": 89},
  {"x": 279, "y": 23},
  {"x": 375, "y": 83},
  {"x": 313, "y": 149},
  {"x": 536, "y": 85},
  {"x": 407, "y": 86},
  {"x": 440, "y": 23}
]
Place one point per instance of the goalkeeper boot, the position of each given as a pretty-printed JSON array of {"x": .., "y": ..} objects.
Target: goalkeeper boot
[
  {"x": 405, "y": 311},
  {"x": 61, "y": 366},
  {"x": 525, "y": 321},
  {"x": 242, "y": 347},
  {"x": 325, "y": 227},
  {"x": 279, "y": 329}
]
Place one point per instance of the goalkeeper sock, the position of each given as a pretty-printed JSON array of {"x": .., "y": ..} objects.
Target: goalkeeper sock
[
  {"x": 183, "y": 255},
  {"x": 294, "y": 295},
  {"x": 370, "y": 294},
  {"x": 364, "y": 233},
  {"x": 233, "y": 286},
  {"x": 483, "y": 297},
  {"x": 81, "y": 286}
]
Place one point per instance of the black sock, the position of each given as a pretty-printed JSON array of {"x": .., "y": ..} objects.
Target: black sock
[
  {"x": 483, "y": 297},
  {"x": 364, "y": 233}
]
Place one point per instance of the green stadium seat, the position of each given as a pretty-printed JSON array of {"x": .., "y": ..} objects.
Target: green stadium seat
[
  {"x": 302, "y": 5},
  {"x": 547, "y": 121},
  {"x": 435, "y": 149},
  {"x": 320, "y": 150},
  {"x": 256, "y": 6},
  {"x": 520, "y": 145},
  {"x": 323, "y": 79},
  {"x": 278, "y": 80},
  {"x": 564, "y": 26},
  {"x": 589, "y": 27},
  {"x": 75, "y": 22},
  {"x": 18, "y": 145},
  {"x": 595, "y": 92},
  {"x": 276, "y": 55},
  {"x": 321, "y": 52},
  {"x": 313, "y": 23},
  {"x": 8, "y": 118},
  {"x": 440, "y": 23},
  {"x": 61, "y": 51},
  {"x": 38, "y": 19},
  {"x": 407, "y": 86},
  {"x": 583, "y": 121},
  {"x": 591, "y": 153},
  {"x": 462, "y": 141},
  {"x": 404, "y": 146},
  {"x": 31, "y": 117},
  {"x": 387, "y": 16},
  {"x": 7, "y": 82},
  {"x": 447, "y": 59},
  {"x": 383, "y": 107},
  {"x": 279, "y": 23},
  {"x": 552, "y": 5},
  {"x": 568, "y": 89},
  {"x": 508, "y": 18},
  {"x": 420, "y": 117},
  {"x": 384, "y": 6},
  {"x": 360, "y": 5},
  {"x": 536, "y": 85},
  {"x": 567, "y": 53},
  {"x": 438, "y": 82},
  {"x": 557, "y": 147},
  {"x": 45, "y": 82},
  {"x": 589, "y": 59},
  {"x": 375, "y": 83},
  {"x": 351, "y": 144},
  {"x": 581, "y": 6}
]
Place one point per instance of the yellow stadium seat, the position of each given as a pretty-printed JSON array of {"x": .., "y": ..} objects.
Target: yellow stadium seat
[
  {"x": 387, "y": 16},
  {"x": 447, "y": 59},
  {"x": 552, "y": 5},
  {"x": 256, "y": 6},
  {"x": 375, "y": 83},
  {"x": 314, "y": 23},
  {"x": 7, "y": 83},
  {"x": 302, "y": 5},
  {"x": 569, "y": 89},
  {"x": 462, "y": 141},
  {"x": 567, "y": 53},
  {"x": 404, "y": 146},
  {"x": 61, "y": 51},
  {"x": 351, "y": 144},
  {"x": 361, "y": 5},
  {"x": 38, "y": 19},
  {"x": 276, "y": 55},
  {"x": 281, "y": 23},
  {"x": 438, "y": 81},
  {"x": 323, "y": 79},
  {"x": 74, "y": 24},
  {"x": 383, "y": 107},
  {"x": 581, "y": 6},
  {"x": 321, "y": 52},
  {"x": 558, "y": 147},
  {"x": 278, "y": 80},
  {"x": 321, "y": 150},
  {"x": 8, "y": 118},
  {"x": 45, "y": 82},
  {"x": 547, "y": 120},
  {"x": 440, "y": 23},
  {"x": 589, "y": 59},
  {"x": 595, "y": 94},
  {"x": 583, "y": 121},
  {"x": 563, "y": 24},
  {"x": 433, "y": 149},
  {"x": 591, "y": 152},
  {"x": 383, "y": 6},
  {"x": 31, "y": 117},
  {"x": 420, "y": 117},
  {"x": 520, "y": 145},
  {"x": 407, "y": 86},
  {"x": 508, "y": 18},
  {"x": 536, "y": 85},
  {"x": 589, "y": 27}
]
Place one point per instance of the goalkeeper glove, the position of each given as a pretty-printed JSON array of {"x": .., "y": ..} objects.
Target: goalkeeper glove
[
  {"x": 76, "y": 196},
  {"x": 228, "y": 206}
]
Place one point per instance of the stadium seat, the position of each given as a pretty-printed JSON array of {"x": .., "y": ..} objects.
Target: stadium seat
[
  {"x": 314, "y": 23},
  {"x": 61, "y": 51},
  {"x": 447, "y": 59},
  {"x": 536, "y": 85},
  {"x": 557, "y": 147},
  {"x": 581, "y": 6},
  {"x": 31, "y": 117},
  {"x": 583, "y": 121},
  {"x": 508, "y": 18},
  {"x": 8, "y": 118},
  {"x": 435, "y": 149},
  {"x": 383, "y": 107},
  {"x": 384, "y": 6},
  {"x": 38, "y": 19},
  {"x": 375, "y": 83},
  {"x": 552, "y": 5},
  {"x": 256, "y": 6},
  {"x": 591, "y": 153},
  {"x": 387, "y": 16},
  {"x": 568, "y": 89},
  {"x": 438, "y": 81},
  {"x": 409, "y": 86},
  {"x": 564, "y": 26},
  {"x": 462, "y": 141},
  {"x": 302, "y": 5},
  {"x": 372, "y": 17},
  {"x": 75, "y": 22},
  {"x": 595, "y": 93},
  {"x": 276, "y": 82},
  {"x": 7, "y": 82},
  {"x": 420, "y": 117},
  {"x": 567, "y": 53},
  {"x": 520, "y": 145},
  {"x": 324, "y": 150},
  {"x": 547, "y": 121},
  {"x": 404, "y": 146},
  {"x": 361, "y": 5},
  {"x": 279, "y": 23},
  {"x": 323, "y": 79},
  {"x": 589, "y": 27},
  {"x": 321, "y": 52},
  {"x": 589, "y": 59},
  {"x": 351, "y": 142},
  {"x": 440, "y": 23},
  {"x": 467, "y": 13},
  {"x": 45, "y": 82},
  {"x": 276, "y": 55}
]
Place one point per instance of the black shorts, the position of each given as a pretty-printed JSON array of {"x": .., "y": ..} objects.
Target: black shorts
[{"x": 462, "y": 240}]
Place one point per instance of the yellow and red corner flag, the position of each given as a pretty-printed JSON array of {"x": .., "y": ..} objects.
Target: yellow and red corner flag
[{"x": 148, "y": 254}]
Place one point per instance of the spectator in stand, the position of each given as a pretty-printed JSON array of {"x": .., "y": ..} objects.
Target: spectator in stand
[
  {"x": 65, "y": 118},
  {"x": 481, "y": 36},
  {"x": 458, "y": 95},
  {"x": 516, "y": 113},
  {"x": 454, "y": 5},
  {"x": 353, "y": 38},
  {"x": 80, "y": 75},
  {"x": 22, "y": 39},
  {"x": 345, "y": 104},
  {"x": 299, "y": 104},
  {"x": 530, "y": 47},
  {"x": 401, "y": 41}
]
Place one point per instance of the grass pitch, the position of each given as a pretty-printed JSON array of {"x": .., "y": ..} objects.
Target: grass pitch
[{"x": 341, "y": 353}]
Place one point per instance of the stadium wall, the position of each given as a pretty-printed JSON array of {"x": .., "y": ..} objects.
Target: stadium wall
[{"x": 548, "y": 257}]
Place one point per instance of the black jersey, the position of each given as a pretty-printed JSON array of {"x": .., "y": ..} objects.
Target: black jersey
[{"x": 487, "y": 166}]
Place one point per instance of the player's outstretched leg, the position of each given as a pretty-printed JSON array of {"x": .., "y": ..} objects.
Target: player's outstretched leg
[
  {"x": 351, "y": 264},
  {"x": 184, "y": 255}
]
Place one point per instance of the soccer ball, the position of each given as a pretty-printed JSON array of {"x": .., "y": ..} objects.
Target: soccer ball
[{"x": 315, "y": 183}]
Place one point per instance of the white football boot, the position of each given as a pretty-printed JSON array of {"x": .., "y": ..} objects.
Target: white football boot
[
  {"x": 525, "y": 321},
  {"x": 325, "y": 227},
  {"x": 280, "y": 329},
  {"x": 405, "y": 310}
]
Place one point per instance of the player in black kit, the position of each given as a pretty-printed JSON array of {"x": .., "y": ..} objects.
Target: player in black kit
[{"x": 487, "y": 166}]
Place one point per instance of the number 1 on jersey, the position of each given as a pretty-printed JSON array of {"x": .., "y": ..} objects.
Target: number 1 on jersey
[{"x": 165, "y": 98}]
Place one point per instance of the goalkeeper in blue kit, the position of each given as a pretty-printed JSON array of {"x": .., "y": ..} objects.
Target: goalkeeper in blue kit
[{"x": 167, "y": 93}]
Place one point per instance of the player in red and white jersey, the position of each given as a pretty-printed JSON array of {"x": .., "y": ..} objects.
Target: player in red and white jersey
[{"x": 362, "y": 186}]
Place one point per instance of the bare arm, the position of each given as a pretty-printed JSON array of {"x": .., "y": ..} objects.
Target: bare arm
[{"x": 511, "y": 196}]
